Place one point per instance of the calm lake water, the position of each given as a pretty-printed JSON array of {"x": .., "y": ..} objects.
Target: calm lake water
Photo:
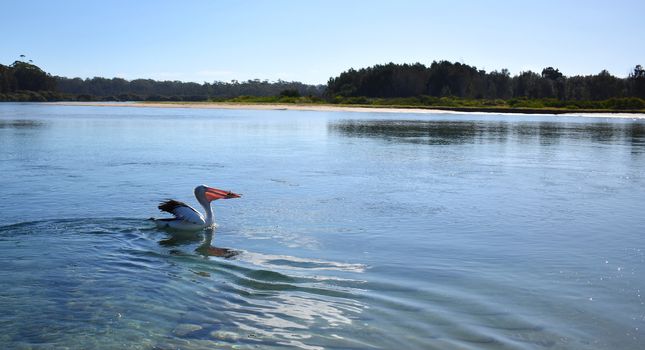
[{"x": 355, "y": 230}]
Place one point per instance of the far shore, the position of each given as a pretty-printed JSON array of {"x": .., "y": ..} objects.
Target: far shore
[{"x": 361, "y": 108}]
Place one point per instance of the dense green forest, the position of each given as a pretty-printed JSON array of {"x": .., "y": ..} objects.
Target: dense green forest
[
  {"x": 443, "y": 83},
  {"x": 446, "y": 79},
  {"x": 152, "y": 90},
  {"x": 23, "y": 81},
  {"x": 459, "y": 85}
]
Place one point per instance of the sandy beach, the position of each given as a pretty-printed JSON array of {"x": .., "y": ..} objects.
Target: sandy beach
[
  {"x": 254, "y": 106},
  {"x": 332, "y": 108}
]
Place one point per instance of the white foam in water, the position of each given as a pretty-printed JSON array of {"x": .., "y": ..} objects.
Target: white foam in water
[{"x": 294, "y": 263}]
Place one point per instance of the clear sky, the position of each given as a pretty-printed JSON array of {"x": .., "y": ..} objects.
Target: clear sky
[{"x": 310, "y": 41}]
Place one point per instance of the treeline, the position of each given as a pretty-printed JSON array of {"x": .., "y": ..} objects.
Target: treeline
[
  {"x": 152, "y": 90},
  {"x": 24, "y": 81},
  {"x": 447, "y": 79},
  {"x": 443, "y": 83}
]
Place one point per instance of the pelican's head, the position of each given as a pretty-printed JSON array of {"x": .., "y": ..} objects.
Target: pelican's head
[{"x": 211, "y": 194}]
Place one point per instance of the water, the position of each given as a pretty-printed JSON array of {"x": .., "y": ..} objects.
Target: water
[{"x": 355, "y": 230}]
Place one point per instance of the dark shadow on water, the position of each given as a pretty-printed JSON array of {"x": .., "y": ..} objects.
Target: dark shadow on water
[
  {"x": 204, "y": 237},
  {"x": 21, "y": 124},
  {"x": 207, "y": 249},
  {"x": 442, "y": 132},
  {"x": 180, "y": 238},
  {"x": 421, "y": 132}
]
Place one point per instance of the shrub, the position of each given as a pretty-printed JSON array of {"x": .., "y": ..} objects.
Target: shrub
[
  {"x": 625, "y": 103},
  {"x": 289, "y": 93}
]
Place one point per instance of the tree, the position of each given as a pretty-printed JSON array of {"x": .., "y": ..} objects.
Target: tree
[
  {"x": 552, "y": 73},
  {"x": 7, "y": 80},
  {"x": 32, "y": 78},
  {"x": 555, "y": 83},
  {"x": 499, "y": 84},
  {"x": 638, "y": 72},
  {"x": 289, "y": 93},
  {"x": 637, "y": 79},
  {"x": 526, "y": 85},
  {"x": 604, "y": 85}
]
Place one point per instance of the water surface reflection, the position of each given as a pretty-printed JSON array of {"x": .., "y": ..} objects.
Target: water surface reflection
[
  {"x": 20, "y": 124},
  {"x": 359, "y": 231},
  {"x": 466, "y": 132}
]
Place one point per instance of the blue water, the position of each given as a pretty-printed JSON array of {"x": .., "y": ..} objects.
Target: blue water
[{"x": 355, "y": 230}]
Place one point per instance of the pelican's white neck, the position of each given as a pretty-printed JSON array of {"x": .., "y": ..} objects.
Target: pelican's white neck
[
  {"x": 209, "y": 214},
  {"x": 206, "y": 204}
]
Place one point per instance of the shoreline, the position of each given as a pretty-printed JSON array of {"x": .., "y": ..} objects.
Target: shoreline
[{"x": 360, "y": 108}]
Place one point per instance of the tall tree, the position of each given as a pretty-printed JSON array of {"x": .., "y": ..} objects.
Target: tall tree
[
  {"x": 31, "y": 77},
  {"x": 637, "y": 78}
]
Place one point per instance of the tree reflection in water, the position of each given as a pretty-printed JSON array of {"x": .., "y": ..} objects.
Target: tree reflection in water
[{"x": 447, "y": 132}]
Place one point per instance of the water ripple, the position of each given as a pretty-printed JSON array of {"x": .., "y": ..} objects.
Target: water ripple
[
  {"x": 119, "y": 275},
  {"x": 120, "y": 283}
]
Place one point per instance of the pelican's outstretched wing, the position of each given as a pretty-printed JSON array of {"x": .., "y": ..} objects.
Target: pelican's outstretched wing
[{"x": 182, "y": 211}]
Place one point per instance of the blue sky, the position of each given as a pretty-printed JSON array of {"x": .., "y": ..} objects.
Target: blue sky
[{"x": 310, "y": 41}]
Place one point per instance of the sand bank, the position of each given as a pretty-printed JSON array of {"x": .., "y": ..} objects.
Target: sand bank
[{"x": 332, "y": 108}]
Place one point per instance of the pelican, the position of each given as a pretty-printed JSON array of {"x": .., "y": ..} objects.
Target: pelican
[{"x": 186, "y": 217}]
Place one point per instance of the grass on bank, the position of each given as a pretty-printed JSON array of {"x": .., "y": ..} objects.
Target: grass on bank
[{"x": 624, "y": 104}]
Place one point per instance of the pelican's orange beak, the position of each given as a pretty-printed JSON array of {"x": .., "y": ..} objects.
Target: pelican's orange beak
[{"x": 214, "y": 194}]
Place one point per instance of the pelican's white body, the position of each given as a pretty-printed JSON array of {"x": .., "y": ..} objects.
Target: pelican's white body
[
  {"x": 184, "y": 224},
  {"x": 186, "y": 217}
]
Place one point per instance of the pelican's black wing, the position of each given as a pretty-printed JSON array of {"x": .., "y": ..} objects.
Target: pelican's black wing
[{"x": 181, "y": 211}]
